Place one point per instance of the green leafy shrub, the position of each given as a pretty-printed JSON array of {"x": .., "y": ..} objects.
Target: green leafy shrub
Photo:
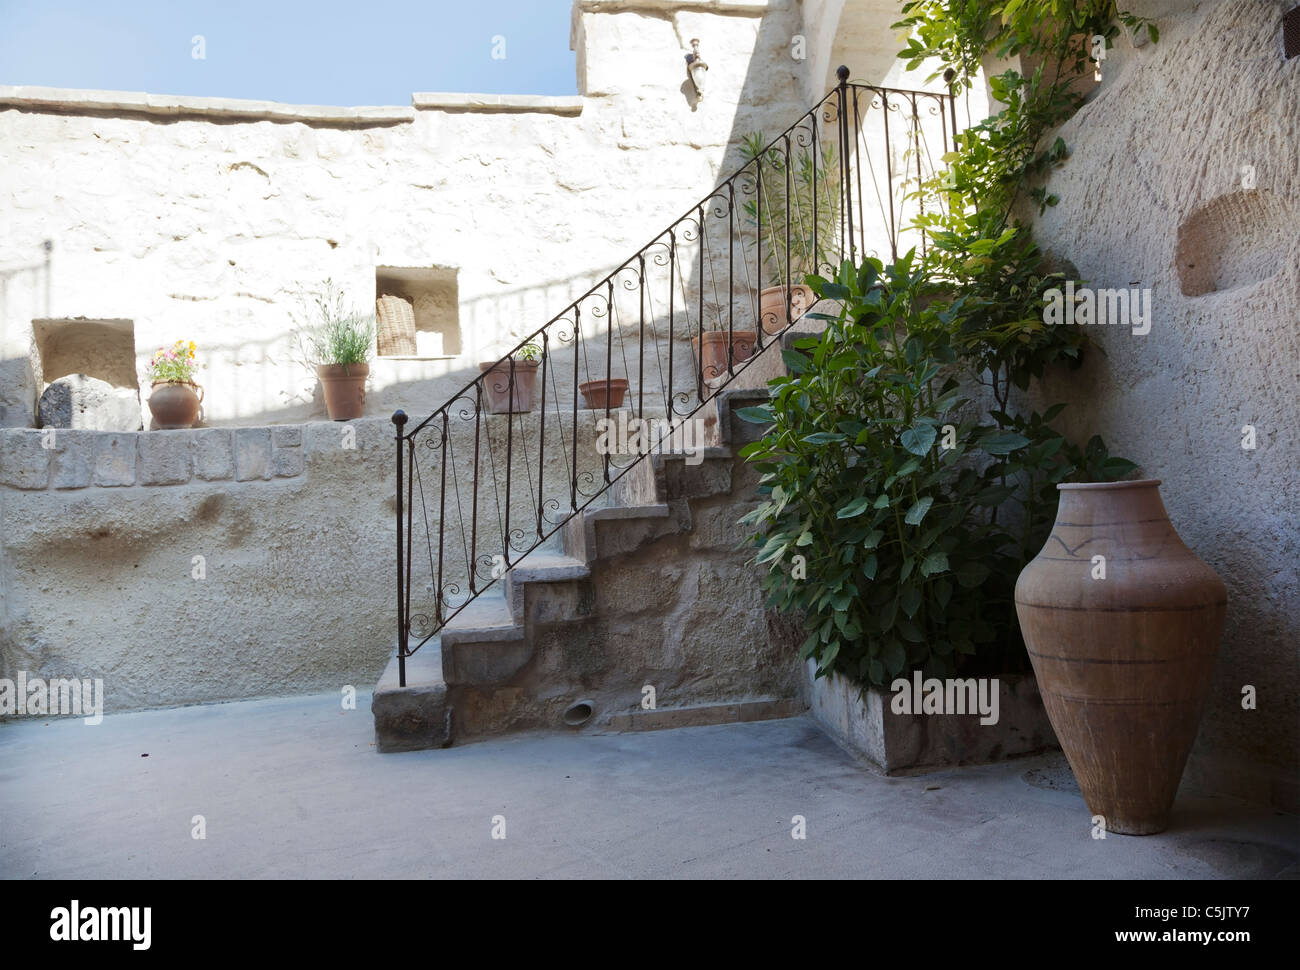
[
  {"x": 897, "y": 514},
  {"x": 913, "y": 516}
]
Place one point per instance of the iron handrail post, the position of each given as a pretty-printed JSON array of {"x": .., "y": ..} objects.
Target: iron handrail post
[
  {"x": 399, "y": 421},
  {"x": 842, "y": 73}
]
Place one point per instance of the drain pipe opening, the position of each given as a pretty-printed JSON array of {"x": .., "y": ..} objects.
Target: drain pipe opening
[{"x": 576, "y": 715}]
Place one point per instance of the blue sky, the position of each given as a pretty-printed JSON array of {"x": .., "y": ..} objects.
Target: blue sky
[{"x": 322, "y": 52}]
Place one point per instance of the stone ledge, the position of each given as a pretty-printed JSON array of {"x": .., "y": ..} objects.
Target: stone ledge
[
  {"x": 65, "y": 459},
  {"x": 865, "y": 726},
  {"x": 24, "y": 459},
  {"x": 751, "y": 8},
  {"x": 77, "y": 101},
  {"x": 506, "y": 103},
  {"x": 703, "y": 715}
]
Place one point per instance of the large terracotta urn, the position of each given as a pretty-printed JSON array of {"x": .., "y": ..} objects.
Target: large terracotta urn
[{"x": 1123, "y": 624}]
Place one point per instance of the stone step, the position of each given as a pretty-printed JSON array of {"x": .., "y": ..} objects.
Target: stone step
[
  {"x": 417, "y": 716},
  {"x": 680, "y": 477},
  {"x": 547, "y": 587},
  {"x": 735, "y": 431},
  {"x": 597, "y": 534},
  {"x": 482, "y": 644},
  {"x": 492, "y": 639}
]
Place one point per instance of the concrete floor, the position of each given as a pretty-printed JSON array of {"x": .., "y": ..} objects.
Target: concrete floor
[{"x": 293, "y": 788}]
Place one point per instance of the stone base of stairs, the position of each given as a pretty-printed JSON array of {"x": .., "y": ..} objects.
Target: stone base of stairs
[
  {"x": 701, "y": 715},
  {"x": 648, "y": 590},
  {"x": 417, "y": 716}
]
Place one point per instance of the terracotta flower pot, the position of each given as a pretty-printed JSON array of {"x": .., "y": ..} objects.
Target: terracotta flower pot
[
  {"x": 344, "y": 387},
  {"x": 711, "y": 353},
  {"x": 772, "y": 309},
  {"x": 604, "y": 394},
  {"x": 1123, "y": 657},
  {"x": 174, "y": 404},
  {"x": 502, "y": 397}
]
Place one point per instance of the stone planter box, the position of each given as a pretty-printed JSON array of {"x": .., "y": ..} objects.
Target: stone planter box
[{"x": 868, "y": 728}]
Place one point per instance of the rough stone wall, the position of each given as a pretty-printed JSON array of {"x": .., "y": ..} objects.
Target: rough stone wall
[
  {"x": 295, "y": 527},
  {"x": 1184, "y": 178},
  {"x": 296, "y": 534},
  {"x": 681, "y": 612}
]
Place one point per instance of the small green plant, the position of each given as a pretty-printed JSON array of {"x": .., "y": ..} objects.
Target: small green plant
[
  {"x": 530, "y": 352},
  {"x": 715, "y": 317},
  {"x": 796, "y": 198},
  {"x": 334, "y": 333}
]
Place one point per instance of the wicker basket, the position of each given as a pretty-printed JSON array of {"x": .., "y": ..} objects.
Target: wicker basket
[{"x": 395, "y": 333}]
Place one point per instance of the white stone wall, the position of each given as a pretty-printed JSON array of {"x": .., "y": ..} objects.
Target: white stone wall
[
  {"x": 206, "y": 219},
  {"x": 218, "y": 563}
]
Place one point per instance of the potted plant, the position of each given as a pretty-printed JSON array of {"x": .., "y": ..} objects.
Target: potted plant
[
  {"x": 711, "y": 347},
  {"x": 604, "y": 394},
  {"x": 338, "y": 344},
  {"x": 796, "y": 203},
  {"x": 510, "y": 383},
  {"x": 175, "y": 399}
]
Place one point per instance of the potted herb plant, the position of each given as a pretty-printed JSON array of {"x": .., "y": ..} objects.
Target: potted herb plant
[
  {"x": 510, "y": 384},
  {"x": 795, "y": 213},
  {"x": 175, "y": 399},
  {"x": 338, "y": 343}
]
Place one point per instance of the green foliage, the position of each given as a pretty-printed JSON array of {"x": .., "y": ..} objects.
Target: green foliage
[
  {"x": 995, "y": 271},
  {"x": 962, "y": 32},
  {"x": 530, "y": 352},
  {"x": 331, "y": 332},
  {"x": 914, "y": 511},
  {"x": 876, "y": 473},
  {"x": 796, "y": 198}
]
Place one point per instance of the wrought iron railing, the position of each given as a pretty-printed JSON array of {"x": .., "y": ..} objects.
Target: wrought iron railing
[{"x": 497, "y": 470}]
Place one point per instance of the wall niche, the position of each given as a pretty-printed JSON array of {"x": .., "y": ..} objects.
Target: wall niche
[
  {"x": 65, "y": 353},
  {"x": 434, "y": 293},
  {"x": 104, "y": 349},
  {"x": 1236, "y": 240}
]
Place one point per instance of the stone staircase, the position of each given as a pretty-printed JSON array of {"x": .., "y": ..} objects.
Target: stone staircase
[{"x": 642, "y": 615}]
